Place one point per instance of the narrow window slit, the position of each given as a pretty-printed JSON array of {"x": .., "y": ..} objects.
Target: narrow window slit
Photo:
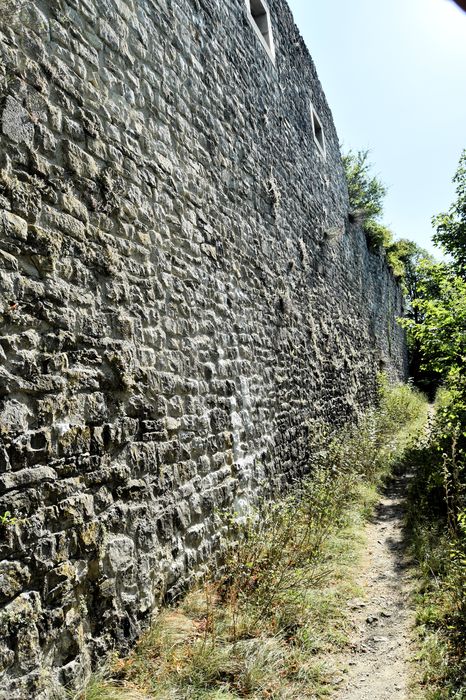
[
  {"x": 318, "y": 131},
  {"x": 259, "y": 17}
]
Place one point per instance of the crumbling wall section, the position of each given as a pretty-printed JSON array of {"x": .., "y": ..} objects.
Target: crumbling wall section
[{"x": 180, "y": 292}]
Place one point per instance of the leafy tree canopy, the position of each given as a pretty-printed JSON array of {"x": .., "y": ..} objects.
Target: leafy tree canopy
[
  {"x": 451, "y": 227},
  {"x": 366, "y": 194},
  {"x": 366, "y": 191},
  {"x": 441, "y": 326}
]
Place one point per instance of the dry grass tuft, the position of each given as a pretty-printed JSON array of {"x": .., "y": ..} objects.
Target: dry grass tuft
[{"x": 269, "y": 625}]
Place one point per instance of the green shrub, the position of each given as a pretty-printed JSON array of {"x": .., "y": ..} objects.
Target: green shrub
[
  {"x": 377, "y": 235},
  {"x": 437, "y": 523}
]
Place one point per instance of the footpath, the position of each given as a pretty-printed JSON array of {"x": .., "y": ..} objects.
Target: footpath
[{"x": 383, "y": 617}]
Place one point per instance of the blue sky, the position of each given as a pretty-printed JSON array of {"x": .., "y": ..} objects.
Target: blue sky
[{"x": 394, "y": 74}]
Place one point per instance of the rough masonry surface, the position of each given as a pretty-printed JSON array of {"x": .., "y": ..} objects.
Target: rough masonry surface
[{"x": 181, "y": 294}]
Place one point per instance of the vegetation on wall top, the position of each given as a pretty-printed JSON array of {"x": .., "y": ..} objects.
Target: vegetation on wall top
[{"x": 366, "y": 195}]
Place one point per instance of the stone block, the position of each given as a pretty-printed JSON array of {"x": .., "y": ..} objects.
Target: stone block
[{"x": 16, "y": 122}]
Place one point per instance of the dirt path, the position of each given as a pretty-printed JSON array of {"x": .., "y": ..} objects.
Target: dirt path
[{"x": 378, "y": 668}]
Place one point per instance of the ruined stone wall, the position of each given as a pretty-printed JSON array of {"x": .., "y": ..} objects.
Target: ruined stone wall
[{"x": 180, "y": 292}]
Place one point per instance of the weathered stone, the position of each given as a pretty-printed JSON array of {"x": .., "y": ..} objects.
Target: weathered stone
[
  {"x": 16, "y": 123},
  {"x": 25, "y": 477},
  {"x": 13, "y": 226},
  {"x": 13, "y": 578},
  {"x": 181, "y": 291}
]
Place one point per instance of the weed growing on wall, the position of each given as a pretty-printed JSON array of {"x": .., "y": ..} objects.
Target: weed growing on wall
[
  {"x": 263, "y": 625},
  {"x": 8, "y": 520}
]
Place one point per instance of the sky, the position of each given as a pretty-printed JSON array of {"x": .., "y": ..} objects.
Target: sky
[{"x": 394, "y": 74}]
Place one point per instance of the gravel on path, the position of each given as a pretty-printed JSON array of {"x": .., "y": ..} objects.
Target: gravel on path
[{"x": 383, "y": 618}]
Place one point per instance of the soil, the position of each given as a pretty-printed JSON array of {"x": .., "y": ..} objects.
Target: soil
[{"x": 383, "y": 618}]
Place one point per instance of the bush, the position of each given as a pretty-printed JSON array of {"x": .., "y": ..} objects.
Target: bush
[
  {"x": 437, "y": 521},
  {"x": 377, "y": 235},
  {"x": 366, "y": 194}
]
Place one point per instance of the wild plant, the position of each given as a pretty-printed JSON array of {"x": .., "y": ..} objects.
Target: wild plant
[{"x": 254, "y": 626}]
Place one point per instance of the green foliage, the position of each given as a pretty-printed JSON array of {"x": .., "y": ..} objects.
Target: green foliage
[
  {"x": 8, "y": 520},
  {"x": 436, "y": 293},
  {"x": 377, "y": 234},
  {"x": 437, "y": 516},
  {"x": 416, "y": 283},
  {"x": 395, "y": 262},
  {"x": 264, "y": 624},
  {"x": 406, "y": 256},
  {"x": 366, "y": 191},
  {"x": 437, "y": 525},
  {"x": 451, "y": 226},
  {"x": 366, "y": 195},
  {"x": 440, "y": 329},
  {"x": 458, "y": 566}
]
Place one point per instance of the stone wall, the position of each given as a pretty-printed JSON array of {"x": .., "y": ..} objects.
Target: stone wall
[{"x": 181, "y": 291}]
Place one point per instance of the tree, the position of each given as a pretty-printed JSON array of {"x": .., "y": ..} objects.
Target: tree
[
  {"x": 440, "y": 329},
  {"x": 415, "y": 277},
  {"x": 366, "y": 194},
  {"x": 451, "y": 226},
  {"x": 436, "y": 320},
  {"x": 414, "y": 262},
  {"x": 366, "y": 191}
]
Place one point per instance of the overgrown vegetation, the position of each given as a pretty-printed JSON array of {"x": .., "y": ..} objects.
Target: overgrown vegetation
[
  {"x": 264, "y": 626},
  {"x": 451, "y": 226},
  {"x": 437, "y": 328},
  {"x": 366, "y": 194},
  {"x": 437, "y": 526},
  {"x": 366, "y": 191}
]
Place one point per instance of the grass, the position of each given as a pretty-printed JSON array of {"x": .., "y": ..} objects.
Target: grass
[
  {"x": 274, "y": 620},
  {"x": 206, "y": 649},
  {"x": 437, "y": 541},
  {"x": 440, "y": 668}
]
